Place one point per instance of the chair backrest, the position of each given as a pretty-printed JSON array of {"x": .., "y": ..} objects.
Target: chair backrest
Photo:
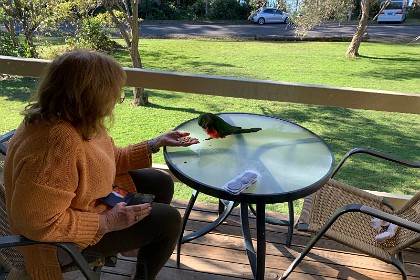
[
  {"x": 410, "y": 211},
  {"x": 10, "y": 258}
]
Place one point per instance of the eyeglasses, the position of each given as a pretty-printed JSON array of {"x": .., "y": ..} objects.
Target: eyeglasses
[{"x": 122, "y": 98}]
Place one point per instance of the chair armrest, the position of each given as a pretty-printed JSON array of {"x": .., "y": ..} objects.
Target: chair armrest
[
  {"x": 375, "y": 154},
  {"x": 7, "y": 136},
  {"x": 78, "y": 259},
  {"x": 70, "y": 248},
  {"x": 15, "y": 241},
  {"x": 4, "y": 138}
]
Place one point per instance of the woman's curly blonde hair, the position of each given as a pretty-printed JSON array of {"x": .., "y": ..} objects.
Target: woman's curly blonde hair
[{"x": 81, "y": 87}]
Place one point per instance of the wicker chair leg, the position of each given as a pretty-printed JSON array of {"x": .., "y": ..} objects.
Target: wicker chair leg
[
  {"x": 400, "y": 256},
  {"x": 300, "y": 257},
  {"x": 399, "y": 263},
  {"x": 97, "y": 270},
  {"x": 318, "y": 235}
]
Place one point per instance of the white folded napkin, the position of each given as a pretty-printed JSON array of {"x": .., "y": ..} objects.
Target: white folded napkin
[
  {"x": 378, "y": 225},
  {"x": 241, "y": 182}
]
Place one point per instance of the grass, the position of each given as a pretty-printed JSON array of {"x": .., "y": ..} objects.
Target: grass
[{"x": 381, "y": 66}]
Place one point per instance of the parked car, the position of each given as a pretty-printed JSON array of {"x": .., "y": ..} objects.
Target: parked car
[
  {"x": 270, "y": 15},
  {"x": 394, "y": 12}
]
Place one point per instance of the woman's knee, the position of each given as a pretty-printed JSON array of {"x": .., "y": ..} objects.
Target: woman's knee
[
  {"x": 175, "y": 219},
  {"x": 167, "y": 181},
  {"x": 154, "y": 181},
  {"x": 167, "y": 218}
]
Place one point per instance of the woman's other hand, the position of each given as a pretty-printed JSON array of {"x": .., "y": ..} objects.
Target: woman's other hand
[
  {"x": 122, "y": 216},
  {"x": 175, "y": 138}
]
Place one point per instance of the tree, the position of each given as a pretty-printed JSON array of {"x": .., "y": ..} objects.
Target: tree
[
  {"x": 315, "y": 12},
  {"x": 34, "y": 16},
  {"x": 353, "y": 49},
  {"x": 89, "y": 23},
  {"x": 8, "y": 20},
  {"x": 126, "y": 14}
]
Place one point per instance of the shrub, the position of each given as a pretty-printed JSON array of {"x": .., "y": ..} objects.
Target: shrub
[
  {"x": 228, "y": 10},
  {"x": 7, "y": 47},
  {"x": 414, "y": 10},
  {"x": 91, "y": 34}
]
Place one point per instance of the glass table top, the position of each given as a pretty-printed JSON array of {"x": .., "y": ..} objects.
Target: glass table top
[{"x": 292, "y": 161}]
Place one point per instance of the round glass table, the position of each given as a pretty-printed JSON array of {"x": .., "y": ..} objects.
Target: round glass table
[{"x": 293, "y": 162}]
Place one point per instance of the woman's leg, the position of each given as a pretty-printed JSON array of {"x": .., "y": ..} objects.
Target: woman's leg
[
  {"x": 155, "y": 236},
  {"x": 154, "y": 181}
]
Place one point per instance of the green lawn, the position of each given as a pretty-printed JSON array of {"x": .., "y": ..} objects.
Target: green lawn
[{"x": 381, "y": 66}]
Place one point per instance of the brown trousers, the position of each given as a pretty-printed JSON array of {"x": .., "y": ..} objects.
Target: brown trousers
[{"x": 156, "y": 235}]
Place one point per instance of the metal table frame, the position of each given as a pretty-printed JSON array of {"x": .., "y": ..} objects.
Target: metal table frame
[{"x": 227, "y": 202}]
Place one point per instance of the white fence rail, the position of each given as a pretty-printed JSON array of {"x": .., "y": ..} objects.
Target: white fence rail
[{"x": 245, "y": 88}]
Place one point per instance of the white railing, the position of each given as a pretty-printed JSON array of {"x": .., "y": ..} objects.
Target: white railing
[{"x": 245, "y": 88}]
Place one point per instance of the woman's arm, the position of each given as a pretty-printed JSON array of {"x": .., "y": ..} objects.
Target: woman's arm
[{"x": 138, "y": 156}]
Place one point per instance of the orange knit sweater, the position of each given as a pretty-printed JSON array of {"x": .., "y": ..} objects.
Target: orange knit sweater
[{"x": 53, "y": 181}]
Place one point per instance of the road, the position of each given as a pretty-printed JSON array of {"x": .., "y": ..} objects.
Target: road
[{"x": 375, "y": 31}]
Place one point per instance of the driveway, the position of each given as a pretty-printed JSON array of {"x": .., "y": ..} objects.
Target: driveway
[{"x": 375, "y": 31}]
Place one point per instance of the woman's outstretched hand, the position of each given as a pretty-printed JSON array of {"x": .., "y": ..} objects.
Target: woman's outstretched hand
[
  {"x": 122, "y": 216},
  {"x": 175, "y": 138}
]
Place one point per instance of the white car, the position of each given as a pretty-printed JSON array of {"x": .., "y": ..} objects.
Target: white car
[
  {"x": 270, "y": 15},
  {"x": 395, "y": 11}
]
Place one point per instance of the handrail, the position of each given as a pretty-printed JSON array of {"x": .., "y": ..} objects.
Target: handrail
[{"x": 244, "y": 88}]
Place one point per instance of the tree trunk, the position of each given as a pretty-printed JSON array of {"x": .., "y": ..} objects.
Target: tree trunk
[
  {"x": 10, "y": 23},
  {"x": 30, "y": 44},
  {"x": 353, "y": 49},
  {"x": 140, "y": 97}
]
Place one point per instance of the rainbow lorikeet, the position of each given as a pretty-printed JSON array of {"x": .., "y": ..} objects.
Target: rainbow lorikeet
[{"x": 216, "y": 127}]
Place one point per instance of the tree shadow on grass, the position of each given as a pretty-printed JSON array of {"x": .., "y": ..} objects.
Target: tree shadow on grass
[
  {"x": 409, "y": 73},
  {"x": 186, "y": 110},
  {"x": 344, "y": 129},
  {"x": 18, "y": 89},
  {"x": 404, "y": 59}
]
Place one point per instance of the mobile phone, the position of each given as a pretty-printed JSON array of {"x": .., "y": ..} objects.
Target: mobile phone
[{"x": 141, "y": 198}]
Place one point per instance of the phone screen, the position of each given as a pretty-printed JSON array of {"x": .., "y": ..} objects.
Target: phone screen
[{"x": 141, "y": 198}]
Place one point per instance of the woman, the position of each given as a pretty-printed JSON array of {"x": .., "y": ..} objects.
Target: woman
[{"x": 61, "y": 162}]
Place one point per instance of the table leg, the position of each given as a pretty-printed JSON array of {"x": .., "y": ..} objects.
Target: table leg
[
  {"x": 260, "y": 241},
  {"x": 289, "y": 223},
  {"x": 202, "y": 231},
  {"x": 249, "y": 247},
  {"x": 256, "y": 260},
  {"x": 184, "y": 224}
]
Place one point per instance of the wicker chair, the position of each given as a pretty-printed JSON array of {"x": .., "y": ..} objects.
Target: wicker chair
[
  {"x": 12, "y": 262},
  {"x": 344, "y": 213}
]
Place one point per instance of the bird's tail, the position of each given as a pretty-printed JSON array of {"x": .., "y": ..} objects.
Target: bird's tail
[{"x": 247, "y": 130}]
